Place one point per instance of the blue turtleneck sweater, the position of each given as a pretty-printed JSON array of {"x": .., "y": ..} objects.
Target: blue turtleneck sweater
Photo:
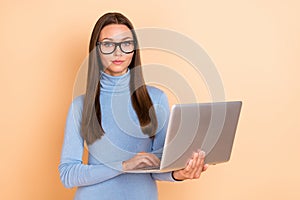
[{"x": 103, "y": 178}]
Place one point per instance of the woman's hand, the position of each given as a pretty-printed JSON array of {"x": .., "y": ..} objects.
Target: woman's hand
[
  {"x": 193, "y": 169},
  {"x": 141, "y": 160}
]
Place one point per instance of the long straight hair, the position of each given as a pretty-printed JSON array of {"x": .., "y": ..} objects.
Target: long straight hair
[{"x": 91, "y": 127}]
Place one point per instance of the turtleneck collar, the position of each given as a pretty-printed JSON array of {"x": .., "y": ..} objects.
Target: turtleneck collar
[{"x": 115, "y": 84}]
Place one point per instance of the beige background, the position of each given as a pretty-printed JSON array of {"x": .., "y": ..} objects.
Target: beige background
[{"x": 254, "y": 44}]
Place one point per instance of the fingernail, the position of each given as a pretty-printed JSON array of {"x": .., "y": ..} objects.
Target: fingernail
[{"x": 203, "y": 153}]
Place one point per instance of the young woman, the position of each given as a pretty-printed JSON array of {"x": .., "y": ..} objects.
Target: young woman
[{"x": 122, "y": 121}]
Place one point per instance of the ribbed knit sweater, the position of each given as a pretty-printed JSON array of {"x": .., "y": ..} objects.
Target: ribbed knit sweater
[{"x": 102, "y": 178}]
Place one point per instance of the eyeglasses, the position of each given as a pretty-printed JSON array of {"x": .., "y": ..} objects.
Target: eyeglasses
[{"x": 109, "y": 47}]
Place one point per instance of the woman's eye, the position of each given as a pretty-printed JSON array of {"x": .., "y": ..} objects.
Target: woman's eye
[
  {"x": 127, "y": 43},
  {"x": 108, "y": 44}
]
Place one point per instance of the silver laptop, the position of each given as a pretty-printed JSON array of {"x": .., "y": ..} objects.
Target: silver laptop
[{"x": 210, "y": 127}]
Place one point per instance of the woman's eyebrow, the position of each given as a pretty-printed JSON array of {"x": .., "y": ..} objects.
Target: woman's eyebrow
[
  {"x": 111, "y": 39},
  {"x": 107, "y": 39},
  {"x": 126, "y": 38}
]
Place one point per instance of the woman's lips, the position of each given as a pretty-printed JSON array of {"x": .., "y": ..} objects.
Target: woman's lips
[{"x": 117, "y": 62}]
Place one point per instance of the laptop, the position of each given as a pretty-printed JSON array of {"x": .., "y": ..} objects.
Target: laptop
[{"x": 210, "y": 127}]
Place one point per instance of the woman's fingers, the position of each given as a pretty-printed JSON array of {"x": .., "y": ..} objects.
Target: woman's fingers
[
  {"x": 200, "y": 166},
  {"x": 194, "y": 164},
  {"x": 198, "y": 161},
  {"x": 195, "y": 157},
  {"x": 194, "y": 167},
  {"x": 141, "y": 160},
  {"x": 144, "y": 162},
  {"x": 188, "y": 167},
  {"x": 150, "y": 159},
  {"x": 205, "y": 167},
  {"x": 155, "y": 159}
]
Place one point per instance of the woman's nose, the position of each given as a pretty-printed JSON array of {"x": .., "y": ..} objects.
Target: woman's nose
[{"x": 118, "y": 51}]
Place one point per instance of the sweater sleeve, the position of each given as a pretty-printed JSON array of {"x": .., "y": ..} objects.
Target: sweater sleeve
[
  {"x": 163, "y": 113},
  {"x": 72, "y": 171}
]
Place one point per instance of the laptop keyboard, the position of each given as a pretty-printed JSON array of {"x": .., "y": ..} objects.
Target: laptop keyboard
[{"x": 149, "y": 168}]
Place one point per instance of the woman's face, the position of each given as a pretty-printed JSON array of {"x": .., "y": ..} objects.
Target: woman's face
[{"x": 117, "y": 62}]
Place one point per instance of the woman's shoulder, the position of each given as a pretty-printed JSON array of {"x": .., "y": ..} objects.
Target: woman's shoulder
[
  {"x": 79, "y": 99},
  {"x": 154, "y": 90},
  {"x": 155, "y": 93},
  {"x": 76, "y": 107},
  {"x": 78, "y": 102}
]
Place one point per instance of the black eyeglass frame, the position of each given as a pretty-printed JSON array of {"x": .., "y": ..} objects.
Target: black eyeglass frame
[{"x": 117, "y": 44}]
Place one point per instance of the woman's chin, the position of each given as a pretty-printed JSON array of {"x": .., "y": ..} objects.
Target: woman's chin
[{"x": 116, "y": 70}]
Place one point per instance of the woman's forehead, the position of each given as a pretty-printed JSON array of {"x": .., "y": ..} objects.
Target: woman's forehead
[{"x": 115, "y": 32}]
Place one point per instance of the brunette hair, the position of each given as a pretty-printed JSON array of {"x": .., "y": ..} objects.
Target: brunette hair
[{"x": 91, "y": 127}]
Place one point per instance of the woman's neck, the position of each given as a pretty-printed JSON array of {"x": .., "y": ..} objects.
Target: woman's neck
[{"x": 115, "y": 84}]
